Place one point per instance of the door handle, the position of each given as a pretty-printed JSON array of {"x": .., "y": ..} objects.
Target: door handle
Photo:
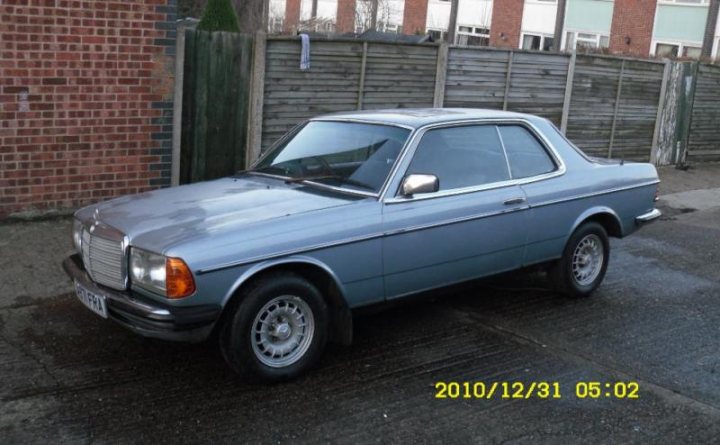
[{"x": 513, "y": 201}]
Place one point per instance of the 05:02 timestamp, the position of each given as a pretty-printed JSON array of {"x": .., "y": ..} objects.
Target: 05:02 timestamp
[{"x": 534, "y": 390}]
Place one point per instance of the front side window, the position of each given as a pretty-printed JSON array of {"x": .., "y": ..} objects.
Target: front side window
[
  {"x": 354, "y": 156},
  {"x": 461, "y": 156}
]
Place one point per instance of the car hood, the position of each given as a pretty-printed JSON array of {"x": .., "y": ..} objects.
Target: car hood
[{"x": 159, "y": 219}]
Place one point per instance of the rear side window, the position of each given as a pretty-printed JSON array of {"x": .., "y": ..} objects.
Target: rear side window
[{"x": 526, "y": 155}]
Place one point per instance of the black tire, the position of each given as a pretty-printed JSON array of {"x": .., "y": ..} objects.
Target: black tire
[
  {"x": 237, "y": 337},
  {"x": 562, "y": 275}
]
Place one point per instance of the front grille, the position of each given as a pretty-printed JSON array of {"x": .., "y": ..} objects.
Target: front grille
[{"x": 104, "y": 259}]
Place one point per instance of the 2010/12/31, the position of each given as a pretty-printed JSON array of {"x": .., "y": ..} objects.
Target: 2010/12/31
[{"x": 503, "y": 390}]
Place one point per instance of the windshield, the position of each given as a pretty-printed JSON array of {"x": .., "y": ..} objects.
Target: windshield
[{"x": 342, "y": 154}]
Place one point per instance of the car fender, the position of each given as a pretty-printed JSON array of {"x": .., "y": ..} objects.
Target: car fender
[
  {"x": 592, "y": 211},
  {"x": 294, "y": 259}
]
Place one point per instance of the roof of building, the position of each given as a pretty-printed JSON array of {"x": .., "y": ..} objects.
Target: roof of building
[{"x": 418, "y": 117}]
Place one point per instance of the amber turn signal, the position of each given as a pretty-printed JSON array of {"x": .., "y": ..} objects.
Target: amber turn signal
[{"x": 179, "y": 282}]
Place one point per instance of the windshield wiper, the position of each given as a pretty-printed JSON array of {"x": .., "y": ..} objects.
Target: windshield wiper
[{"x": 339, "y": 178}]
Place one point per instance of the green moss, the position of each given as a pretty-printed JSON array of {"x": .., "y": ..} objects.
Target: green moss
[{"x": 219, "y": 15}]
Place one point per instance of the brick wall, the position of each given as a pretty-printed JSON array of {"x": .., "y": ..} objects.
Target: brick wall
[
  {"x": 85, "y": 100},
  {"x": 292, "y": 16},
  {"x": 506, "y": 23},
  {"x": 632, "y": 21},
  {"x": 415, "y": 16},
  {"x": 345, "y": 20}
]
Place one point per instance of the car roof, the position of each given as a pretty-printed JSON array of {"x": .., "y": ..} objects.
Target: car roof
[{"x": 419, "y": 117}]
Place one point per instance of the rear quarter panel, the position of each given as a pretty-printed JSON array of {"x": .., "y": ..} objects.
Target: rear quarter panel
[{"x": 559, "y": 205}]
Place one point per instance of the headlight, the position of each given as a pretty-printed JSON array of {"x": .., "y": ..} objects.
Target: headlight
[
  {"x": 77, "y": 235},
  {"x": 167, "y": 276}
]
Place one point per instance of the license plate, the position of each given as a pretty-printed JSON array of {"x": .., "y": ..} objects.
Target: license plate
[{"x": 92, "y": 301}]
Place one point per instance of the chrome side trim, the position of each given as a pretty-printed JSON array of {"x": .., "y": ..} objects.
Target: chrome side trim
[
  {"x": 394, "y": 232},
  {"x": 415, "y": 137},
  {"x": 448, "y": 222},
  {"x": 591, "y": 194},
  {"x": 648, "y": 217}
]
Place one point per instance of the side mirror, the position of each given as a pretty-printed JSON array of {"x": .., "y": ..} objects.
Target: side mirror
[{"x": 413, "y": 184}]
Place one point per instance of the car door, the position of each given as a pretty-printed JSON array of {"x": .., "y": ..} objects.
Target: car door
[{"x": 474, "y": 225}]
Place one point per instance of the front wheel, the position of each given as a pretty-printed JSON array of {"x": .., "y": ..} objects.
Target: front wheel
[
  {"x": 584, "y": 262},
  {"x": 277, "y": 331}
]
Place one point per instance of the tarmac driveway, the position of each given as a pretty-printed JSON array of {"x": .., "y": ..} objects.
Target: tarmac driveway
[{"x": 69, "y": 376}]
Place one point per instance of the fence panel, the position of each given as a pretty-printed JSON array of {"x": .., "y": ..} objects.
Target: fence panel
[
  {"x": 399, "y": 76},
  {"x": 292, "y": 95},
  {"x": 593, "y": 103},
  {"x": 703, "y": 142},
  {"x": 476, "y": 78},
  {"x": 537, "y": 84},
  {"x": 637, "y": 111}
]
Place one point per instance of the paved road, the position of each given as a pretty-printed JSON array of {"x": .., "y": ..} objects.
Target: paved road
[{"x": 68, "y": 376}]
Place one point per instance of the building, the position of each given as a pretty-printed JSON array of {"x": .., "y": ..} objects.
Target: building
[{"x": 664, "y": 28}]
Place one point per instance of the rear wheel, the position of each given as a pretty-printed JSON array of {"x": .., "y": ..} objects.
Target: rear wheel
[
  {"x": 277, "y": 331},
  {"x": 584, "y": 262}
]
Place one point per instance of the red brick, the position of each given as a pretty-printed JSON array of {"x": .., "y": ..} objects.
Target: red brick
[
  {"x": 632, "y": 27},
  {"x": 415, "y": 16},
  {"x": 345, "y": 20},
  {"x": 77, "y": 84},
  {"x": 292, "y": 16},
  {"x": 506, "y": 23}
]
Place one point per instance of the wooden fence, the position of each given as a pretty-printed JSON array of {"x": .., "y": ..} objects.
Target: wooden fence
[
  {"x": 609, "y": 106},
  {"x": 215, "y": 104}
]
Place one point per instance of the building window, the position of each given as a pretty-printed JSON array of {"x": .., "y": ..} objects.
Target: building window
[
  {"x": 692, "y": 51},
  {"x": 473, "y": 36},
  {"x": 585, "y": 40},
  {"x": 674, "y": 50},
  {"x": 686, "y": 2},
  {"x": 537, "y": 42},
  {"x": 437, "y": 35},
  {"x": 666, "y": 50}
]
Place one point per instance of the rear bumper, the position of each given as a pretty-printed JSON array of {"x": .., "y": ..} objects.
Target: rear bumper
[
  {"x": 648, "y": 217},
  {"x": 146, "y": 317}
]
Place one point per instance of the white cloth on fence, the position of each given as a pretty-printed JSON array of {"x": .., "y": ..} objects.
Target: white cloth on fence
[{"x": 305, "y": 52}]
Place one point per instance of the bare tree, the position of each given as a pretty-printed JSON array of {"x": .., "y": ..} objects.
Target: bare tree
[
  {"x": 252, "y": 14},
  {"x": 374, "y": 14}
]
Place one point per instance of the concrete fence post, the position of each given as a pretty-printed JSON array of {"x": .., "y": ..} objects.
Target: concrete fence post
[
  {"x": 654, "y": 149},
  {"x": 257, "y": 91},
  {"x": 178, "y": 103},
  {"x": 618, "y": 95},
  {"x": 568, "y": 93},
  {"x": 440, "y": 75},
  {"x": 361, "y": 83},
  {"x": 507, "y": 80}
]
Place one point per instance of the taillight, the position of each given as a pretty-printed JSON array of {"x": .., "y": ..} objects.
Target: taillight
[{"x": 657, "y": 193}]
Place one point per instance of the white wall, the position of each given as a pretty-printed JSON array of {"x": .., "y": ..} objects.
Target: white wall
[
  {"x": 539, "y": 17},
  {"x": 470, "y": 13}
]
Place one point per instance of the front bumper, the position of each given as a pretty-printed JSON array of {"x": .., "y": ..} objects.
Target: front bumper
[
  {"x": 648, "y": 217},
  {"x": 145, "y": 317}
]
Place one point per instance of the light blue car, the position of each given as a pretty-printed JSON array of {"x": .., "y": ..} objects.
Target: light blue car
[{"x": 349, "y": 210}]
